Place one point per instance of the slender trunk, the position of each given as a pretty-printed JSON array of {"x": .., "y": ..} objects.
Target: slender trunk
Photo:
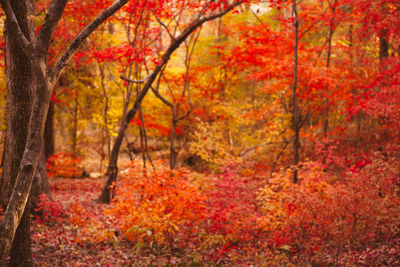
[
  {"x": 328, "y": 61},
  {"x": 105, "y": 111},
  {"x": 142, "y": 147},
  {"x": 49, "y": 132},
  {"x": 383, "y": 45},
  {"x": 112, "y": 169},
  {"x": 295, "y": 114},
  {"x": 173, "y": 151},
  {"x": 75, "y": 128},
  {"x": 105, "y": 116}
]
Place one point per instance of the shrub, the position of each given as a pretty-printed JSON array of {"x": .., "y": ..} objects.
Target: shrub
[
  {"x": 321, "y": 219},
  {"x": 89, "y": 227},
  {"x": 50, "y": 212},
  {"x": 63, "y": 165},
  {"x": 232, "y": 207},
  {"x": 157, "y": 206}
]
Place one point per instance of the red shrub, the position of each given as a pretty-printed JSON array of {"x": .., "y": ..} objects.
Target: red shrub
[
  {"x": 50, "y": 212},
  {"x": 63, "y": 165},
  {"x": 322, "y": 218}
]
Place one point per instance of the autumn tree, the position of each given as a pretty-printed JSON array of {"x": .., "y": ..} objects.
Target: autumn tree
[
  {"x": 206, "y": 11},
  {"x": 30, "y": 81}
]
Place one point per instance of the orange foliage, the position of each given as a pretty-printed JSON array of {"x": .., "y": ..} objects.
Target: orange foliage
[
  {"x": 156, "y": 206},
  {"x": 89, "y": 228}
]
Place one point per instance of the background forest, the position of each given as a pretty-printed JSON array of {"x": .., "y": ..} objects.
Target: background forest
[{"x": 221, "y": 133}]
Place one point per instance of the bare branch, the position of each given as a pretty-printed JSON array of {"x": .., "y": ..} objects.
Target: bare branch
[
  {"x": 164, "y": 26},
  {"x": 63, "y": 61},
  {"x": 12, "y": 22},
  {"x": 113, "y": 77},
  {"x": 130, "y": 22},
  {"x": 163, "y": 99},
  {"x": 146, "y": 147},
  {"x": 135, "y": 81},
  {"x": 186, "y": 114},
  {"x": 157, "y": 92}
]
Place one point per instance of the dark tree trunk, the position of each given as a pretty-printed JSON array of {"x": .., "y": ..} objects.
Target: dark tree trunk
[
  {"x": 112, "y": 169},
  {"x": 40, "y": 184},
  {"x": 173, "y": 155},
  {"x": 328, "y": 61},
  {"x": 19, "y": 94},
  {"x": 296, "y": 112},
  {"x": 75, "y": 128},
  {"x": 49, "y": 132},
  {"x": 29, "y": 85},
  {"x": 383, "y": 45},
  {"x": 21, "y": 255}
]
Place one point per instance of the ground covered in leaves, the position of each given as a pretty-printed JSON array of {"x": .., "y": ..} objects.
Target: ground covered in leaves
[
  {"x": 60, "y": 239},
  {"x": 236, "y": 217}
]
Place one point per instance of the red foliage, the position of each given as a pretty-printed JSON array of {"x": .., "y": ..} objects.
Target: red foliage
[
  {"x": 63, "y": 165},
  {"x": 50, "y": 212},
  {"x": 149, "y": 122},
  {"x": 232, "y": 207},
  {"x": 321, "y": 216}
]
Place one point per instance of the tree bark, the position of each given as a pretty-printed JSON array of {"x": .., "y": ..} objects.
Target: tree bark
[
  {"x": 30, "y": 82},
  {"x": 75, "y": 128},
  {"x": 40, "y": 184},
  {"x": 173, "y": 154},
  {"x": 49, "y": 132},
  {"x": 295, "y": 113},
  {"x": 328, "y": 61},
  {"x": 19, "y": 94},
  {"x": 383, "y": 45}
]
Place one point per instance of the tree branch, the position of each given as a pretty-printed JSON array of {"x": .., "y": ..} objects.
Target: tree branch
[
  {"x": 20, "y": 38},
  {"x": 172, "y": 47},
  {"x": 135, "y": 81},
  {"x": 63, "y": 61},
  {"x": 164, "y": 26},
  {"x": 51, "y": 20}
]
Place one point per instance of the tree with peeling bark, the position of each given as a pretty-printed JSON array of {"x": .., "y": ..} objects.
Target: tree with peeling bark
[
  {"x": 208, "y": 11},
  {"x": 30, "y": 81}
]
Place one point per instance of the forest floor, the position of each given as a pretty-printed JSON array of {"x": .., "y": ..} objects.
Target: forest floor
[{"x": 75, "y": 232}]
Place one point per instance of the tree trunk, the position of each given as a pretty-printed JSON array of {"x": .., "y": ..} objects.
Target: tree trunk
[
  {"x": 29, "y": 85},
  {"x": 173, "y": 154},
  {"x": 40, "y": 183},
  {"x": 383, "y": 45},
  {"x": 112, "y": 169},
  {"x": 296, "y": 113},
  {"x": 328, "y": 61},
  {"x": 21, "y": 254},
  {"x": 49, "y": 132},
  {"x": 19, "y": 94},
  {"x": 75, "y": 128}
]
